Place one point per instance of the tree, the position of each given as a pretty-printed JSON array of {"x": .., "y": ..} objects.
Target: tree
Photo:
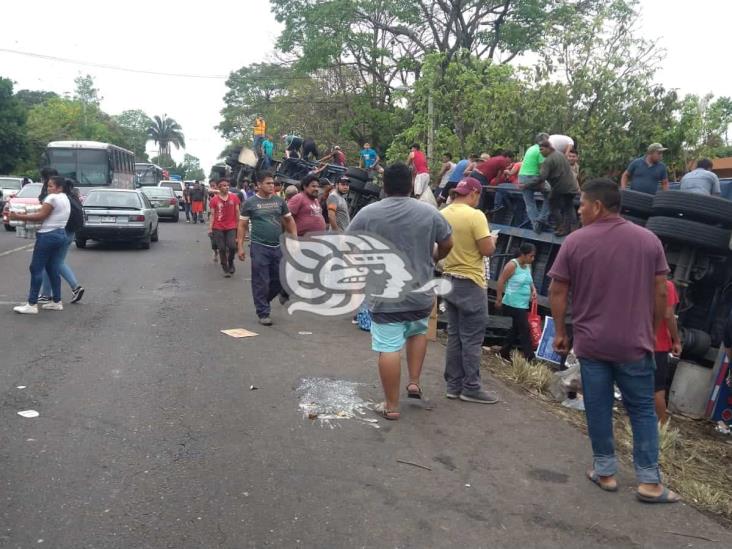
[
  {"x": 165, "y": 132},
  {"x": 13, "y": 144},
  {"x": 191, "y": 167},
  {"x": 31, "y": 98},
  {"x": 85, "y": 90},
  {"x": 134, "y": 125}
]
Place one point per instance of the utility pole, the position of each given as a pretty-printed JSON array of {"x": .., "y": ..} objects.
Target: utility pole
[{"x": 431, "y": 130}]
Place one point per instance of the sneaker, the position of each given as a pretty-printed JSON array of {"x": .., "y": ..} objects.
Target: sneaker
[
  {"x": 53, "y": 306},
  {"x": 481, "y": 397},
  {"x": 188, "y": 220},
  {"x": 452, "y": 395},
  {"x": 215, "y": 257},
  {"x": 227, "y": 274},
  {"x": 77, "y": 294},
  {"x": 265, "y": 321},
  {"x": 283, "y": 299},
  {"x": 232, "y": 269},
  {"x": 26, "y": 309},
  {"x": 44, "y": 299}
]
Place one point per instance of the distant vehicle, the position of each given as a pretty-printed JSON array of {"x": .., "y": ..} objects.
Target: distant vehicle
[
  {"x": 27, "y": 195},
  {"x": 164, "y": 201},
  {"x": 9, "y": 186},
  {"x": 177, "y": 187},
  {"x": 91, "y": 164},
  {"x": 118, "y": 215},
  {"x": 147, "y": 174}
]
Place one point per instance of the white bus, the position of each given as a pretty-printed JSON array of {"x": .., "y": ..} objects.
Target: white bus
[
  {"x": 91, "y": 164},
  {"x": 148, "y": 175}
]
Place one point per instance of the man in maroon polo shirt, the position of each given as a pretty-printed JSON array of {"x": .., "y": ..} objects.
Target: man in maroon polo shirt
[
  {"x": 305, "y": 206},
  {"x": 615, "y": 273}
]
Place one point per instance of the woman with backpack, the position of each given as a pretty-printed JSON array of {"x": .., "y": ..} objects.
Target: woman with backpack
[
  {"x": 75, "y": 222},
  {"x": 514, "y": 294},
  {"x": 51, "y": 241}
]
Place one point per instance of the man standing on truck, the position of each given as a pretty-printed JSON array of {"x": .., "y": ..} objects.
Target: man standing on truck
[
  {"x": 260, "y": 130},
  {"x": 293, "y": 144},
  {"x": 420, "y": 170},
  {"x": 616, "y": 306},
  {"x": 267, "y": 214},
  {"x": 467, "y": 303},
  {"x": 558, "y": 173},
  {"x": 646, "y": 173},
  {"x": 530, "y": 182},
  {"x": 369, "y": 158},
  {"x": 267, "y": 151}
]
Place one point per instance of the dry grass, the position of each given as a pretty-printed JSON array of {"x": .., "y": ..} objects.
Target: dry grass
[{"x": 695, "y": 462}]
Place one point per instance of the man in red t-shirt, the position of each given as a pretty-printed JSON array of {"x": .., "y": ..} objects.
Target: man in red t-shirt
[
  {"x": 224, "y": 208},
  {"x": 667, "y": 341},
  {"x": 305, "y": 206},
  {"x": 421, "y": 172},
  {"x": 491, "y": 168}
]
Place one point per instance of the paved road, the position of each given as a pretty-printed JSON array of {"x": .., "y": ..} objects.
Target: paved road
[{"x": 149, "y": 436}]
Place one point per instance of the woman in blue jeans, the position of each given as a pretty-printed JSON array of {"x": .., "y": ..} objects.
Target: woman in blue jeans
[
  {"x": 50, "y": 242},
  {"x": 77, "y": 291}
]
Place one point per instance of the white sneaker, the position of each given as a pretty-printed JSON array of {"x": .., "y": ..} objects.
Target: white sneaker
[
  {"x": 26, "y": 309},
  {"x": 53, "y": 306}
]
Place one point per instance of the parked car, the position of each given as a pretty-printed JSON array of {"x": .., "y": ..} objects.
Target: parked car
[
  {"x": 27, "y": 195},
  {"x": 9, "y": 186},
  {"x": 118, "y": 215},
  {"x": 177, "y": 187},
  {"x": 164, "y": 201}
]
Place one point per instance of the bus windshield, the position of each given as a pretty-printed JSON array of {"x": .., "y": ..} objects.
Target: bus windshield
[
  {"x": 148, "y": 175},
  {"x": 85, "y": 166}
]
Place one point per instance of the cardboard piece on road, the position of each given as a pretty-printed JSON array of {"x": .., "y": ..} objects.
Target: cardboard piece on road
[
  {"x": 238, "y": 332},
  {"x": 432, "y": 324}
]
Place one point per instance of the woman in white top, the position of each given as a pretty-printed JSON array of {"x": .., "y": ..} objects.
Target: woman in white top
[{"x": 50, "y": 242}]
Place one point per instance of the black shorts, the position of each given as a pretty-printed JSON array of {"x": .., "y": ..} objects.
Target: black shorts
[
  {"x": 450, "y": 185},
  {"x": 225, "y": 239},
  {"x": 661, "y": 370}
]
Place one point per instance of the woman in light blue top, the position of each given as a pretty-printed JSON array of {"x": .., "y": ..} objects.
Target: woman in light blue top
[{"x": 514, "y": 294}]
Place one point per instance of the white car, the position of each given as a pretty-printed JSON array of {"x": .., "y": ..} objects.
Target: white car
[
  {"x": 9, "y": 186},
  {"x": 177, "y": 187}
]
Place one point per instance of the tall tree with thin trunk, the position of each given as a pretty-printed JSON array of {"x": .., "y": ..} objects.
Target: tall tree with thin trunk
[{"x": 165, "y": 132}]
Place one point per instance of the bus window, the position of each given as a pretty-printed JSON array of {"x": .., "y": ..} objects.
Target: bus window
[{"x": 93, "y": 167}]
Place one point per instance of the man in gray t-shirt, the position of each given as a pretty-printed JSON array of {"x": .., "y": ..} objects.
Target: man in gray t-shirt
[
  {"x": 338, "y": 216},
  {"x": 413, "y": 228},
  {"x": 702, "y": 180}
]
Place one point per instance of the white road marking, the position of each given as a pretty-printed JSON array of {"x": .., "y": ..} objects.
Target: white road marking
[{"x": 26, "y": 247}]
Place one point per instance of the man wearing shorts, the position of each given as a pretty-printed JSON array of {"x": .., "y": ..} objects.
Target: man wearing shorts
[
  {"x": 197, "y": 198},
  {"x": 418, "y": 163},
  {"x": 224, "y": 220},
  {"x": 667, "y": 341},
  {"x": 411, "y": 227}
]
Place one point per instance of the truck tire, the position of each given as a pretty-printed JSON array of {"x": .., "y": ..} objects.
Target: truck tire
[
  {"x": 9, "y": 227},
  {"x": 692, "y": 233},
  {"x": 356, "y": 185},
  {"x": 357, "y": 173},
  {"x": 637, "y": 220},
  {"x": 371, "y": 189},
  {"x": 698, "y": 207},
  {"x": 640, "y": 204},
  {"x": 695, "y": 343}
]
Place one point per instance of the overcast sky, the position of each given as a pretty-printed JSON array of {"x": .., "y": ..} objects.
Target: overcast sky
[{"x": 199, "y": 38}]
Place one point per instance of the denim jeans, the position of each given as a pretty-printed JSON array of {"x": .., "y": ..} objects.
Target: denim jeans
[
  {"x": 265, "y": 276},
  {"x": 47, "y": 255},
  {"x": 525, "y": 181},
  {"x": 65, "y": 271},
  {"x": 467, "y": 314},
  {"x": 187, "y": 210},
  {"x": 636, "y": 383}
]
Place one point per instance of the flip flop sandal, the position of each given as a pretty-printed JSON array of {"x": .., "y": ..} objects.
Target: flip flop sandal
[
  {"x": 391, "y": 415},
  {"x": 663, "y": 497},
  {"x": 414, "y": 394},
  {"x": 593, "y": 477}
]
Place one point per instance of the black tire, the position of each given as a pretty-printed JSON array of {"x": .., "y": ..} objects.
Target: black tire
[
  {"x": 80, "y": 242},
  {"x": 692, "y": 233},
  {"x": 358, "y": 173},
  {"x": 698, "y": 207},
  {"x": 640, "y": 204},
  {"x": 177, "y": 217},
  {"x": 9, "y": 227},
  {"x": 356, "y": 185},
  {"x": 145, "y": 243},
  {"x": 372, "y": 189},
  {"x": 637, "y": 220},
  {"x": 154, "y": 236}
]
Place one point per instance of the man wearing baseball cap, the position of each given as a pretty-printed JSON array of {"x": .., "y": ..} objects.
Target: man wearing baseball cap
[
  {"x": 467, "y": 303},
  {"x": 646, "y": 173}
]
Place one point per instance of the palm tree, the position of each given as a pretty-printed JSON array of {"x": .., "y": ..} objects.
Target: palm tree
[{"x": 166, "y": 132}]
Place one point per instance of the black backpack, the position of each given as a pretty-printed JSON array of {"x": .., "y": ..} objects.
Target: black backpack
[{"x": 76, "y": 217}]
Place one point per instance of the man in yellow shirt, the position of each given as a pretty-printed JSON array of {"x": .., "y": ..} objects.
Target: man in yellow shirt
[
  {"x": 467, "y": 304},
  {"x": 260, "y": 130}
]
